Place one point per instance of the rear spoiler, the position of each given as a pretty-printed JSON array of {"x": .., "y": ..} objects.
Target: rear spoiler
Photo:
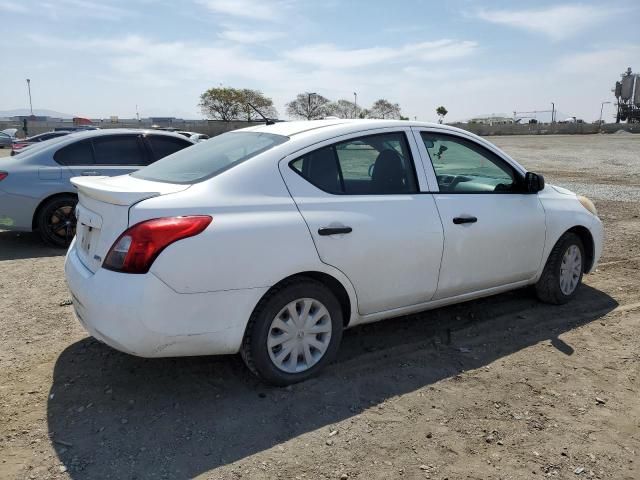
[{"x": 123, "y": 190}]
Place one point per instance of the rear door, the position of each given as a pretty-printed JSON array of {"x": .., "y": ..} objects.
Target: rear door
[
  {"x": 107, "y": 155},
  {"x": 360, "y": 197}
]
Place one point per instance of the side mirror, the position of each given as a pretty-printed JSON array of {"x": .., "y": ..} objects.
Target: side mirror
[{"x": 534, "y": 182}]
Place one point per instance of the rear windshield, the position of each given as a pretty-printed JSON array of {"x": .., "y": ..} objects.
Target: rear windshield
[{"x": 207, "y": 159}]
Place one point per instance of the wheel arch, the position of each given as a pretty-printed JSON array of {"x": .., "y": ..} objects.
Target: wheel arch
[
  {"x": 43, "y": 202},
  {"x": 347, "y": 305},
  {"x": 587, "y": 242}
]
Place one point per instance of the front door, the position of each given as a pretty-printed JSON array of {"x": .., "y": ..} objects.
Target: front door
[
  {"x": 494, "y": 232},
  {"x": 361, "y": 200}
]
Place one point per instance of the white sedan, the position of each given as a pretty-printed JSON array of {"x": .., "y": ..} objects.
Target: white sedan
[{"x": 271, "y": 240}]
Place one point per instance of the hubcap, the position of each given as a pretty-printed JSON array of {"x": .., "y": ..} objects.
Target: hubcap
[
  {"x": 570, "y": 270},
  {"x": 299, "y": 335},
  {"x": 62, "y": 223}
]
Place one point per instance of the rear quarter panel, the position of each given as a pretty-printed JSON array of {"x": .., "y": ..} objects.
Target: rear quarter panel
[{"x": 256, "y": 239}]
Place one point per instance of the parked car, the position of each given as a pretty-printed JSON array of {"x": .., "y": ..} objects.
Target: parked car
[
  {"x": 19, "y": 146},
  {"x": 196, "y": 137},
  {"x": 35, "y": 191},
  {"x": 6, "y": 140},
  {"x": 271, "y": 240}
]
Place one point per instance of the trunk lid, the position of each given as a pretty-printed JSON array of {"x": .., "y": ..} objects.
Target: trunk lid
[{"x": 103, "y": 211}]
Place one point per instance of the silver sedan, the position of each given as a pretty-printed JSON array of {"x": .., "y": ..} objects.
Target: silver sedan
[{"x": 35, "y": 191}]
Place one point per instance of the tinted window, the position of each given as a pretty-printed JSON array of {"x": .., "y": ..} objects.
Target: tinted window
[
  {"x": 207, "y": 159},
  {"x": 162, "y": 146},
  {"x": 118, "y": 150},
  {"x": 463, "y": 166},
  {"x": 375, "y": 164},
  {"x": 79, "y": 153}
]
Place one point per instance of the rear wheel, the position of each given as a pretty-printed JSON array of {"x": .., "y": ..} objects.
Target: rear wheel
[
  {"x": 562, "y": 274},
  {"x": 56, "y": 220},
  {"x": 293, "y": 333}
]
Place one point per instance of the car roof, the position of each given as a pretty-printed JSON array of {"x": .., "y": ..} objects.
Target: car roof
[
  {"x": 339, "y": 126},
  {"x": 120, "y": 131}
]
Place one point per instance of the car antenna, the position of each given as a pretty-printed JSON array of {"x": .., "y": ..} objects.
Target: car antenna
[{"x": 268, "y": 121}]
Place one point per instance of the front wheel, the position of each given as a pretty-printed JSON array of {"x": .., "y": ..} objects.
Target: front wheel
[
  {"x": 56, "y": 220},
  {"x": 293, "y": 333},
  {"x": 562, "y": 274}
]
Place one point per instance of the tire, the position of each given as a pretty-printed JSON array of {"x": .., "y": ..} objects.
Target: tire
[
  {"x": 57, "y": 211},
  {"x": 550, "y": 287},
  {"x": 263, "y": 341}
]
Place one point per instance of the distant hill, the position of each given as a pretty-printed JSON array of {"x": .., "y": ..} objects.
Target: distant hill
[{"x": 40, "y": 111}]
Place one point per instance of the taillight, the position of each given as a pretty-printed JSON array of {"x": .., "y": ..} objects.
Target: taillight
[
  {"x": 138, "y": 247},
  {"x": 3, "y": 175}
]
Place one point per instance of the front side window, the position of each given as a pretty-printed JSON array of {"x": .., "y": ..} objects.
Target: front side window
[
  {"x": 463, "y": 166},
  {"x": 208, "y": 159},
  {"x": 163, "y": 145},
  {"x": 372, "y": 165},
  {"x": 118, "y": 150}
]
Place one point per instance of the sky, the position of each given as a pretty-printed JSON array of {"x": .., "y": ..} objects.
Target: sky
[{"x": 98, "y": 58}]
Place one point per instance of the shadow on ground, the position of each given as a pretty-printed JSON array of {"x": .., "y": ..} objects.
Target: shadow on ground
[
  {"x": 111, "y": 415},
  {"x": 20, "y": 245}
]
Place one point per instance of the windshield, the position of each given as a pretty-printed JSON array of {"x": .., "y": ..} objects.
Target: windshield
[{"x": 208, "y": 159}]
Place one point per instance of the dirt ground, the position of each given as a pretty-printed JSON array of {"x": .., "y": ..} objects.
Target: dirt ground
[{"x": 500, "y": 388}]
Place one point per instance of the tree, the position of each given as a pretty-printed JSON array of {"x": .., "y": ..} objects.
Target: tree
[
  {"x": 225, "y": 103},
  {"x": 343, "y": 109},
  {"x": 384, "y": 109},
  {"x": 309, "y": 106},
  {"x": 258, "y": 100},
  {"x": 441, "y": 111}
]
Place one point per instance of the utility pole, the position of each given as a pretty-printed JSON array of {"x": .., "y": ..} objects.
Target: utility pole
[
  {"x": 355, "y": 102},
  {"x": 601, "y": 107},
  {"x": 553, "y": 112},
  {"x": 29, "y": 89},
  {"x": 309, "y": 105},
  {"x": 137, "y": 114}
]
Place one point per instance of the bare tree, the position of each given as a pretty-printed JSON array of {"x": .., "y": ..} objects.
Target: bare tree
[
  {"x": 343, "y": 109},
  {"x": 309, "y": 106},
  {"x": 384, "y": 109}
]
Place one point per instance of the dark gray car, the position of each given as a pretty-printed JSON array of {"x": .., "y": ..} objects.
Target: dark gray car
[{"x": 35, "y": 191}]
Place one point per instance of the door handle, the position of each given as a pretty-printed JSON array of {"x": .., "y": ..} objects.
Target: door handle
[
  {"x": 460, "y": 220},
  {"x": 324, "y": 231},
  {"x": 90, "y": 173}
]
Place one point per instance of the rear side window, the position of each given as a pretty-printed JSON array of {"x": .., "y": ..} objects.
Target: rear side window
[
  {"x": 119, "y": 150},
  {"x": 208, "y": 159},
  {"x": 162, "y": 146},
  {"x": 371, "y": 165},
  {"x": 79, "y": 153}
]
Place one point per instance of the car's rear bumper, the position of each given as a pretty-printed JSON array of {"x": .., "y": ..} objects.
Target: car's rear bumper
[
  {"x": 16, "y": 212},
  {"x": 141, "y": 315}
]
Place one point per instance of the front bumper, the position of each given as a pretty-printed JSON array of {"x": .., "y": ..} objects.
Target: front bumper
[
  {"x": 597, "y": 232},
  {"x": 141, "y": 315}
]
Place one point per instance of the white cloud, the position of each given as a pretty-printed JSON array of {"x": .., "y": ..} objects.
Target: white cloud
[
  {"x": 557, "y": 22},
  {"x": 12, "y": 7},
  {"x": 239, "y": 35},
  {"x": 253, "y": 9},
  {"x": 74, "y": 9},
  {"x": 332, "y": 56}
]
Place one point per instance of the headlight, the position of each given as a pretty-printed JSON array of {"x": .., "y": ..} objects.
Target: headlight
[{"x": 588, "y": 204}]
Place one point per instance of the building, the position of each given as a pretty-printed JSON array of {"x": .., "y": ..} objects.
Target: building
[{"x": 492, "y": 120}]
